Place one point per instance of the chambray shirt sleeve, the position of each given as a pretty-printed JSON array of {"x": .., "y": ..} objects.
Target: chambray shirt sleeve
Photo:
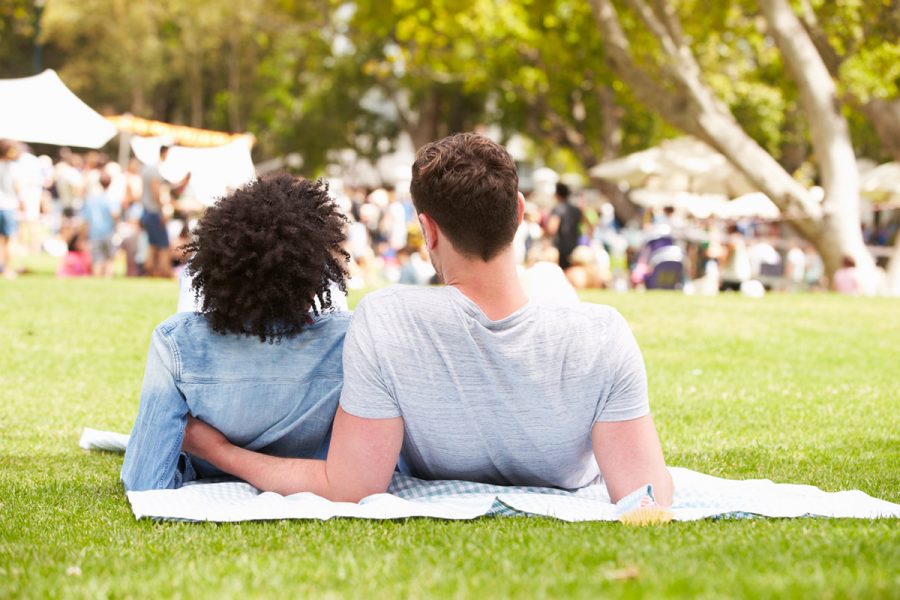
[
  {"x": 154, "y": 448},
  {"x": 365, "y": 393},
  {"x": 625, "y": 396}
]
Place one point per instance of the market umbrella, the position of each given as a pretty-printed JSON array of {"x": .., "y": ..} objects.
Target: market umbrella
[
  {"x": 882, "y": 183},
  {"x": 680, "y": 165}
]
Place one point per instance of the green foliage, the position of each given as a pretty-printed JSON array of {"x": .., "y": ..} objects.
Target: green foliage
[
  {"x": 17, "y": 36},
  {"x": 314, "y": 76},
  {"x": 793, "y": 388}
]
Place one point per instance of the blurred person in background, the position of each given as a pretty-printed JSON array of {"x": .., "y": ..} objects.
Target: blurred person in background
[
  {"x": 735, "y": 260},
  {"x": 795, "y": 267},
  {"x": 100, "y": 213},
  {"x": 155, "y": 190},
  {"x": 846, "y": 280},
  {"x": 129, "y": 229},
  {"x": 10, "y": 203},
  {"x": 564, "y": 225},
  {"x": 77, "y": 260},
  {"x": 31, "y": 179}
]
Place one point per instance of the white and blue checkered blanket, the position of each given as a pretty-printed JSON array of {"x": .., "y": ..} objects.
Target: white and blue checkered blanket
[{"x": 697, "y": 496}]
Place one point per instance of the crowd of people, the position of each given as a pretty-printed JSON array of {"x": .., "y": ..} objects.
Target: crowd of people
[
  {"x": 90, "y": 212},
  {"x": 101, "y": 218}
]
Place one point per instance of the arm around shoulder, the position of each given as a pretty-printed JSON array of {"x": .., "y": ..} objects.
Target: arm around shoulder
[{"x": 360, "y": 461}]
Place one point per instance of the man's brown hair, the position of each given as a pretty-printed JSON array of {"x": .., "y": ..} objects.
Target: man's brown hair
[{"x": 468, "y": 185}]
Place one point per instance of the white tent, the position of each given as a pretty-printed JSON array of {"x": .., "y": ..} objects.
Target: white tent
[
  {"x": 42, "y": 110},
  {"x": 881, "y": 183},
  {"x": 214, "y": 171},
  {"x": 680, "y": 165}
]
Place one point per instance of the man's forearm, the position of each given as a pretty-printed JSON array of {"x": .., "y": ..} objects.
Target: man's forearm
[
  {"x": 360, "y": 463},
  {"x": 273, "y": 473}
]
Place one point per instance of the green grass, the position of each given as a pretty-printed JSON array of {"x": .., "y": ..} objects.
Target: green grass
[{"x": 793, "y": 388}]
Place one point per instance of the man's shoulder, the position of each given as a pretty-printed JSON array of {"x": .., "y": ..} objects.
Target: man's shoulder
[
  {"x": 401, "y": 295},
  {"x": 580, "y": 311}
]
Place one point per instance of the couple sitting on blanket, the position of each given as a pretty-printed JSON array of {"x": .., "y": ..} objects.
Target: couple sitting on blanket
[{"x": 467, "y": 381}]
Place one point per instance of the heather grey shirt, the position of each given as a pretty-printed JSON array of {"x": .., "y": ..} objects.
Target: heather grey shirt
[{"x": 510, "y": 402}]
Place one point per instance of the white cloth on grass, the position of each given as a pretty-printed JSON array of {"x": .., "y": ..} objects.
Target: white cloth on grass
[
  {"x": 697, "y": 496},
  {"x": 96, "y": 439}
]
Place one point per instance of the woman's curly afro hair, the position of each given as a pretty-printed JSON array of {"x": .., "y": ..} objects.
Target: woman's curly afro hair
[{"x": 266, "y": 255}]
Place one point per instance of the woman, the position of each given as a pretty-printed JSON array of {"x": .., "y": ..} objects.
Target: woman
[{"x": 261, "y": 359}]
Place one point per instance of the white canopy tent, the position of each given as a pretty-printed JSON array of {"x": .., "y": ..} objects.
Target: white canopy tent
[
  {"x": 214, "y": 171},
  {"x": 881, "y": 183},
  {"x": 680, "y": 165},
  {"x": 42, "y": 110}
]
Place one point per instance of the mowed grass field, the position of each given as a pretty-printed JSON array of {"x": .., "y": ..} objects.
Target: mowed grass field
[{"x": 802, "y": 389}]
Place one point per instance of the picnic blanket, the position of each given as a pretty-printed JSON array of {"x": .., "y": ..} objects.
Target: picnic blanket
[{"x": 697, "y": 496}]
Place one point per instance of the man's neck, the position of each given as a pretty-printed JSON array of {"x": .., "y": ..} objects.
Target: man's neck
[{"x": 494, "y": 285}]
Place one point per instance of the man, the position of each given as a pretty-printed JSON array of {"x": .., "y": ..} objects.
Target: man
[
  {"x": 564, "y": 225},
  {"x": 153, "y": 219},
  {"x": 10, "y": 193},
  {"x": 471, "y": 380},
  {"x": 266, "y": 259}
]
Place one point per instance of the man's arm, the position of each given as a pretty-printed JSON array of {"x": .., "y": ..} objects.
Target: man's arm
[
  {"x": 630, "y": 456},
  {"x": 361, "y": 459}
]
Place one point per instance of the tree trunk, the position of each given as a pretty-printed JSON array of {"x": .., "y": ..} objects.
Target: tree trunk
[
  {"x": 234, "y": 82},
  {"x": 884, "y": 115},
  {"x": 893, "y": 271},
  {"x": 196, "y": 91},
  {"x": 682, "y": 97},
  {"x": 841, "y": 227}
]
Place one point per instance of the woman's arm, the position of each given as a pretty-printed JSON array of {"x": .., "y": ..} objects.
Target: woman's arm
[{"x": 151, "y": 459}]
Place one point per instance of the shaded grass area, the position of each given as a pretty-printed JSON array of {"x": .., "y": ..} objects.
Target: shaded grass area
[{"x": 792, "y": 388}]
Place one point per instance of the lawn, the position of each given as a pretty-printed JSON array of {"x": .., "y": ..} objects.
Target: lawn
[{"x": 794, "y": 388}]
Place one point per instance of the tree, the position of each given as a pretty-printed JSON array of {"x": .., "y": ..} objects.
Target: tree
[
  {"x": 18, "y": 33},
  {"x": 672, "y": 82},
  {"x": 859, "y": 42}
]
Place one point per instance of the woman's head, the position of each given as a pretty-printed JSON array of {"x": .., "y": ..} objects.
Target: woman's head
[{"x": 266, "y": 255}]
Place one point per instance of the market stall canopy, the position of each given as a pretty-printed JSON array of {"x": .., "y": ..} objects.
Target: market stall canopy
[
  {"x": 178, "y": 134},
  {"x": 699, "y": 206},
  {"x": 214, "y": 171},
  {"x": 680, "y": 165},
  {"x": 42, "y": 110},
  {"x": 881, "y": 183}
]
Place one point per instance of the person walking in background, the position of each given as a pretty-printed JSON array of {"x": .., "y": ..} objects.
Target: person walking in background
[
  {"x": 100, "y": 214},
  {"x": 153, "y": 220},
  {"x": 564, "y": 225},
  {"x": 10, "y": 202},
  {"x": 846, "y": 279}
]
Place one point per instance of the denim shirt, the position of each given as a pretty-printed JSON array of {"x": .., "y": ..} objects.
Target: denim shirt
[{"x": 279, "y": 399}]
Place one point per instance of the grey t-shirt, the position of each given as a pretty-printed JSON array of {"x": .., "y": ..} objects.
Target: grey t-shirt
[
  {"x": 510, "y": 402},
  {"x": 149, "y": 174}
]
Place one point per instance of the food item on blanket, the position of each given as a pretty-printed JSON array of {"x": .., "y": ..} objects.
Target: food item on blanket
[
  {"x": 646, "y": 515},
  {"x": 639, "y": 508}
]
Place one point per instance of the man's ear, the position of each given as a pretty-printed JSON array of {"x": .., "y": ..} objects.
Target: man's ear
[
  {"x": 521, "y": 199},
  {"x": 429, "y": 230}
]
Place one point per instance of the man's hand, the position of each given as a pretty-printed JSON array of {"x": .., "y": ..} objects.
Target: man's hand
[
  {"x": 202, "y": 440},
  {"x": 360, "y": 462}
]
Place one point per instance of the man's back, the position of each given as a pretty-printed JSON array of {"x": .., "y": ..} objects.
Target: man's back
[{"x": 510, "y": 401}]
